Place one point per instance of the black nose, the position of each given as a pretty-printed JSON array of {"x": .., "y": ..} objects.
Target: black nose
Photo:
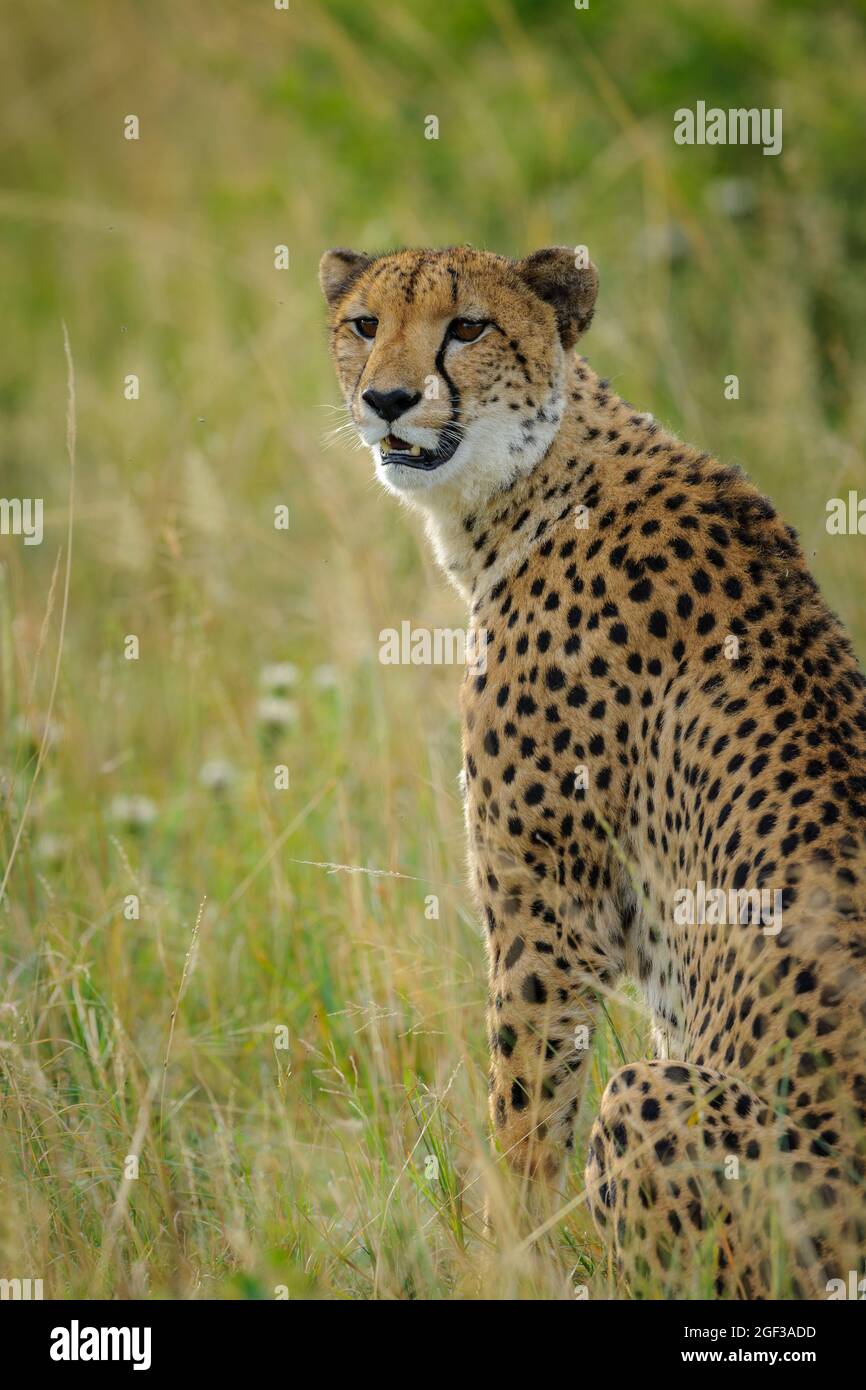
[{"x": 391, "y": 404}]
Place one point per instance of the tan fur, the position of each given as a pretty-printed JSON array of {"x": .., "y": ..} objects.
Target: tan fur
[{"x": 607, "y": 652}]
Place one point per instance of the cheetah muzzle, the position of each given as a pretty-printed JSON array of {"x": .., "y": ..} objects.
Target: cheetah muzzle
[{"x": 395, "y": 451}]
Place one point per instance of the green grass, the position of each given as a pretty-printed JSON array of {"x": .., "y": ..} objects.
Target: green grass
[{"x": 304, "y": 1167}]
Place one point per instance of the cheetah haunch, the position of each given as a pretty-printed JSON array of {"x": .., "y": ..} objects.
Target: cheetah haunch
[{"x": 668, "y": 702}]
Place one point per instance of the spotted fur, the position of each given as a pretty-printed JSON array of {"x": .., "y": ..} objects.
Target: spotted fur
[{"x": 609, "y": 650}]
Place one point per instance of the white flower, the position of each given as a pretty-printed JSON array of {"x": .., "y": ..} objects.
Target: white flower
[
  {"x": 275, "y": 712},
  {"x": 325, "y": 677},
  {"x": 133, "y": 811},
  {"x": 731, "y": 197},
  {"x": 217, "y": 774},
  {"x": 664, "y": 242},
  {"x": 278, "y": 676},
  {"x": 51, "y": 848},
  {"x": 36, "y": 728}
]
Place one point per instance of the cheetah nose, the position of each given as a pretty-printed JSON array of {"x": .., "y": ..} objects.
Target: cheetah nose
[{"x": 389, "y": 405}]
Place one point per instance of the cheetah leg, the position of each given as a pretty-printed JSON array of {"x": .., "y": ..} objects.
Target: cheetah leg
[
  {"x": 543, "y": 1006},
  {"x": 550, "y": 957},
  {"x": 538, "y": 1047},
  {"x": 703, "y": 1190},
  {"x": 669, "y": 1161}
]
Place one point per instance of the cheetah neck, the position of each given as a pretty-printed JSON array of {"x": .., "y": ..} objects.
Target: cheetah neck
[{"x": 479, "y": 544}]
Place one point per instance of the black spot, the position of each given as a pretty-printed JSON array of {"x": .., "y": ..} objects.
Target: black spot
[
  {"x": 515, "y": 951},
  {"x": 519, "y": 1094},
  {"x": 533, "y": 990}
]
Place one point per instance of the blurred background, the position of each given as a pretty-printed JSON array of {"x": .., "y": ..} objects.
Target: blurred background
[{"x": 230, "y": 1067}]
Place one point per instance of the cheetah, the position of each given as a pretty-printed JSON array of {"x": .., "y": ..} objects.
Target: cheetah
[{"x": 667, "y": 709}]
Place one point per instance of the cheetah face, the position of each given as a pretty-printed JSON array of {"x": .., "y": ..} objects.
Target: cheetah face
[{"x": 452, "y": 362}]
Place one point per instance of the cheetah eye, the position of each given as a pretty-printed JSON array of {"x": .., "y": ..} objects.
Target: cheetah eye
[
  {"x": 365, "y": 327},
  {"x": 467, "y": 330}
]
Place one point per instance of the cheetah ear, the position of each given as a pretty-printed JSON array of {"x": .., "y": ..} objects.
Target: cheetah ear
[
  {"x": 566, "y": 280},
  {"x": 338, "y": 269}
]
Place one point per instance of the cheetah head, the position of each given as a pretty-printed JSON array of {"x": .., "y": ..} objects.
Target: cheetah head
[{"x": 452, "y": 363}]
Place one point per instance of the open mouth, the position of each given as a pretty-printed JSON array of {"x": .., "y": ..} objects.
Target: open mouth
[{"x": 396, "y": 450}]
